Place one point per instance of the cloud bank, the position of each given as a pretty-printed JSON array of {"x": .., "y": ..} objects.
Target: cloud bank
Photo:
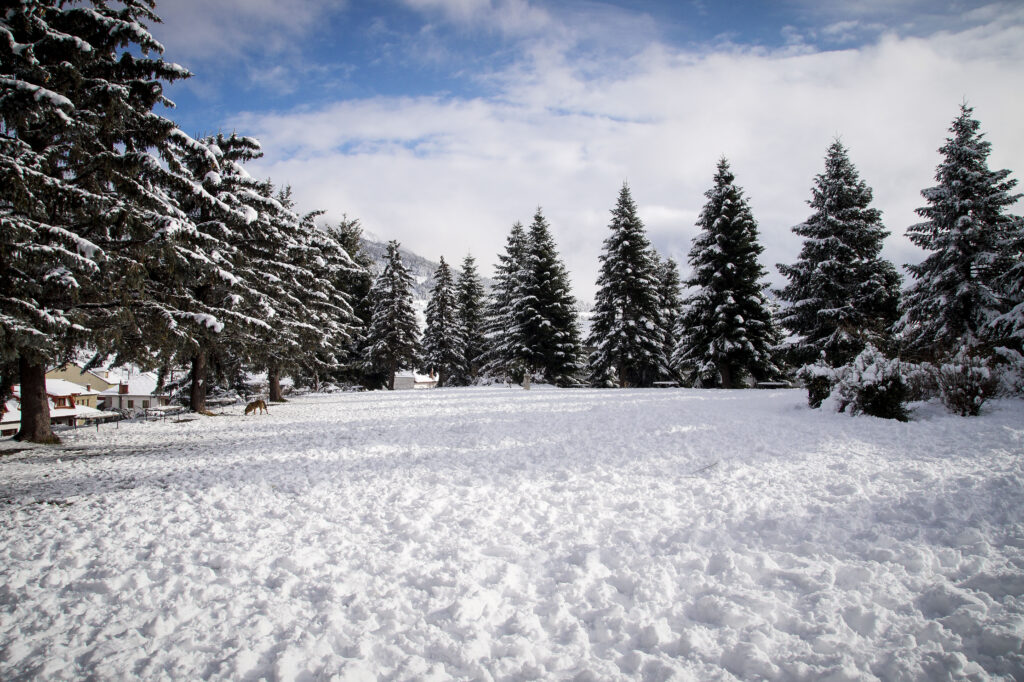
[{"x": 562, "y": 127}]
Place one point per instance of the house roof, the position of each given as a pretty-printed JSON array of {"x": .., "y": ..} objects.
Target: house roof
[
  {"x": 143, "y": 383},
  {"x": 59, "y": 388}
]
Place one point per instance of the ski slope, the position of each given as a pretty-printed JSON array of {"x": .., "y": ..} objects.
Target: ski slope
[{"x": 496, "y": 533}]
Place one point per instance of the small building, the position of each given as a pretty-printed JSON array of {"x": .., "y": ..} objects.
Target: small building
[
  {"x": 406, "y": 380},
  {"x": 133, "y": 394},
  {"x": 67, "y": 401},
  {"x": 94, "y": 381}
]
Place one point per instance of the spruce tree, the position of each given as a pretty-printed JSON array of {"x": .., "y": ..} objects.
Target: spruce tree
[
  {"x": 469, "y": 294},
  {"x": 207, "y": 277},
  {"x": 444, "y": 345},
  {"x": 842, "y": 293},
  {"x": 671, "y": 303},
  {"x": 356, "y": 282},
  {"x": 627, "y": 331},
  {"x": 80, "y": 184},
  {"x": 728, "y": 333},
  {"x": 956, "y": 297},
  {"x": 543, "y": 312},
  {"x": 503, "y": 338},
  {"x": 393, "y": 336}
]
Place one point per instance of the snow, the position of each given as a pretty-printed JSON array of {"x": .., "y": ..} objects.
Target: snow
[{"x": 496, "y": 533}]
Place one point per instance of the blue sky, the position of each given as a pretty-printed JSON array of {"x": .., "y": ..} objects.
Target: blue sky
[{"x": 441, "y": 122}]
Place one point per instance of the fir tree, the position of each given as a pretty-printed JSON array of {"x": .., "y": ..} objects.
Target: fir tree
[
  {"x": 469, "y": 294},
  {"x": 208, "y": 279},
  {"x": 503, "y": 339},
  {"x": 956, "y": 298},
  {"x": 444, "y": 346},
  {"x": 393, "y": 335},
  {"x": 627, "y": 330},
  {"x": 543, "y": 311},
  {"x": 357, "y": 282},
  {"x": 80, "y": 184},
  {"x": 727, "y": 327},
  {"x": 842, "y": 293},
  {"x": 671, "y": 303}
]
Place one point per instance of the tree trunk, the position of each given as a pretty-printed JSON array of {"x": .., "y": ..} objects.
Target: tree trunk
[
  {"x": 726, "y": 372},
  {"x": 392, "y": 368},
  {"x": 274, "y": 380},
  {"x": 35, "y": 409},
  {"x": 197, "y": 394}
]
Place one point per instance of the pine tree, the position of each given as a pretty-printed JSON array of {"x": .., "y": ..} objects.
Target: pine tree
[
  {"x": 543, "y": 311},
  {"x": 80, "y": 196},
  {"x": 469, "y": 294},
  {"x": 842, "y": 293},
  {"x": 393, "y": 335},
  {"x": 444, "y": 345},
  {"x": 727, "y": 328},
  {"x": 671, "y": 302},
  {"x": 357, "y": 282},
  {"x": 627, "y": 330},
  {"x": 956, "y": 297},
  {"x": 208, "y": 280},
  {"x": 503, "y": 339}
]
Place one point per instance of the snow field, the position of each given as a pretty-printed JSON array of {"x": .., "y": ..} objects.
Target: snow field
[{"x": 509, "y": 534}]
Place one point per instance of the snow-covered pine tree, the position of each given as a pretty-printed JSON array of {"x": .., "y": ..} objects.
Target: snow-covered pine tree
[
  {"x": 671, "y": 302},
  {"x": 503, "y": 339},
  {"x": 727, "y": 327},
  {"x": 203, "y": 279},
  {"x": 627, "y": 332},
  {"x": 79, "y": 179},
  {"x": 956, "y": 297},
  {"x": 544, "y": 311},
  {"x": 314, "y": 316},
  {"x": 444, "y": 345},
  {"x": 843, "y": 294},
  {"x": 469, "y": 295},
  {"x": 393, "y": 335},
  {"x": 348, "y": 234}
]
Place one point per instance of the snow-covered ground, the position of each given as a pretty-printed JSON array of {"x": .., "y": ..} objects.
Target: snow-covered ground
[{"x": 509, "y": 534}]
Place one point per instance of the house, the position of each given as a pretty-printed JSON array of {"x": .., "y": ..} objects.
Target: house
[
  {"x": 133, "y": 393},
  {"x": 67, "y": 401},
  {"x": 123, "y": 390},
  {"x": 93, "y": 380}
]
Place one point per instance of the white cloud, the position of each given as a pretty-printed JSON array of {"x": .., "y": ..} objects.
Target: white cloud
[
  {"x": 447, "y": 176},
  {"x": 201, "y": 29}
]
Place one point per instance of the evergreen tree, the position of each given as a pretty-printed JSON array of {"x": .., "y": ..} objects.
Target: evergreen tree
[
  {"x": 727, "y": 327},
  {"x": 627, "y": 330},
  {"x": 956, "y": 297},
  {"x": 208, "y": 278},
  {"x": 80, "y": 184},
  {"x": 671, "y": 302},
  {"x": 357, "y": 282},
  {"x": 469, "y": 294},
  {"x": 444, "y": 345},
  {"x": 543, "y": 312},
  {"x": 393, "y": 335},
  {"x": 842, "y": 293},
  {"x": 503, "y": 339}
]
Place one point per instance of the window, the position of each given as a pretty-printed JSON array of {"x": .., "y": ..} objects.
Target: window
[
  {"x": 145, "y": 403},
  {"x": 131, "y": 404}
]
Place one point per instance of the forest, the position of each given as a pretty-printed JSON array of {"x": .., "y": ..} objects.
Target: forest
[{"x": 128, "y": 240}]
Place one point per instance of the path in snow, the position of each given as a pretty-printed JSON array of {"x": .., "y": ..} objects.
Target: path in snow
[{"x": 506, "y": 534}]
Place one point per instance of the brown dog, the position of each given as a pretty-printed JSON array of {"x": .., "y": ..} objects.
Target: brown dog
[{"x": 256, "y": 405}]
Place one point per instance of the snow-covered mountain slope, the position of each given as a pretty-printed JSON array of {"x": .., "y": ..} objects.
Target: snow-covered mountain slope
[{"x": 497, "y": 533}]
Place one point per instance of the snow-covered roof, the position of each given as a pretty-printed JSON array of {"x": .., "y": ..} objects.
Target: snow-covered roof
[
  {"x": 143, "y": 383},
  {"x": 59, "y": 388},
  {"x": 13, "y": 413}
]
